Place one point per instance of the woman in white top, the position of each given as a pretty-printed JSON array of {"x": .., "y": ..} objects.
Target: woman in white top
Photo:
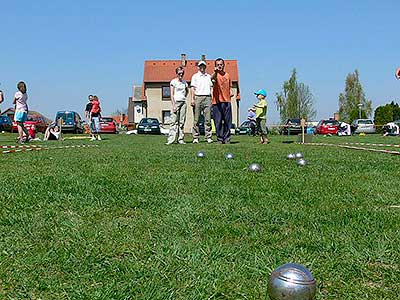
[
  {"x": 179, "y": 90},
  {"x": 21, "y": 112}
]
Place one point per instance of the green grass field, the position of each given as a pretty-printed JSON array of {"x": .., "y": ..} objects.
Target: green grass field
[{"x": 135, "y": 219}]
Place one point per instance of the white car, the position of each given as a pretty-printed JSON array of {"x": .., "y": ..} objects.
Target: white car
[{"x": 364, "y": 126}]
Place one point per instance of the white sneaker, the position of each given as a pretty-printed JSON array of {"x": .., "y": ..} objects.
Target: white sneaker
[
  {"x": 169, "y": 143},
  {"x": 181, "y": 142},
  {"x": 93, "y": 139},
  {"x": 209, "y": 141},
  {"x": 195, "y": 141},
  {"x": 99, "y": 138}
]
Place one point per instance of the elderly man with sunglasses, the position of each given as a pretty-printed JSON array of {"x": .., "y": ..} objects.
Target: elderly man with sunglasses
[{"x": 179, "y": 90}]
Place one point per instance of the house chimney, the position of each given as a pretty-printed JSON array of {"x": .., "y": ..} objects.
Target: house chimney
[
  {"x": 183, "y": 60},
  {"x": 203, "y": 57}
]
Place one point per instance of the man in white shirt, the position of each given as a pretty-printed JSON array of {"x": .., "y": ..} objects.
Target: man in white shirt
[{"x": 201, "y": 86}]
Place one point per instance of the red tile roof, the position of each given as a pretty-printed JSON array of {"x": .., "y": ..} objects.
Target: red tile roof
[{"x": 164, "y": 70}]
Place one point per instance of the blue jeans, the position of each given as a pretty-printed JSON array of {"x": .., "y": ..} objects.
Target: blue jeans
[{"x": 95, "y": 124}]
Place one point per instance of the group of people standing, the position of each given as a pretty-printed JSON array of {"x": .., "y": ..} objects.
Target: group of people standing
[
  {"x": 92, "y": 116},
  {"x": 210, "y": 95}
]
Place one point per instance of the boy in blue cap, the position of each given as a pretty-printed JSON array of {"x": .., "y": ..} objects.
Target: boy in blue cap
[{"x": 261, "y": 115}]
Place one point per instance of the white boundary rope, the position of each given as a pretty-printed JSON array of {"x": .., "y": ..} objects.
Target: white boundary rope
[
  {"x": 375, "y": 145},
  {"x": 15, "y": 149},
  {"x": 354, "y": 148}
]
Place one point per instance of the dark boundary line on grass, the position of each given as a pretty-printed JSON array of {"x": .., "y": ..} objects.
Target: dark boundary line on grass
[
  {"x": 354, "y": 148},
  {"x": 38, "y": 148}
]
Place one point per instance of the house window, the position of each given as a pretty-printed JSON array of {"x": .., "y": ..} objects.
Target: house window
[
  {"x": 166, "y": 117},
  {"x": 166, "y": 93}
]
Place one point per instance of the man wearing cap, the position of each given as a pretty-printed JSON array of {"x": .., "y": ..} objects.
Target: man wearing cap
[
  {"x": 222, "y": 109},
  {"x": 202, "y": 88},
  {"x": 261, "y": 115}
]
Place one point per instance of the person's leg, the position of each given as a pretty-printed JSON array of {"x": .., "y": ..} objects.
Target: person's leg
[
  {"x": 196, "y": 118},
  {"x": 263, "y": 126},
  {"x": 217, "y": 116},
  {"x": 46, "y": 134},
  {"x": 207, "y": 118},
  {"x": 173, "y": 128},
  {"x": 181, "y": 118},
  {"x": 227, "y": 116}
]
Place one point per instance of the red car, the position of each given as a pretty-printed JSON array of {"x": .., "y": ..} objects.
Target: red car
[
  {"x": 328, "y": 127},
  {"x": 107, "y": 125},
  {"x": 33, "y": 121}
]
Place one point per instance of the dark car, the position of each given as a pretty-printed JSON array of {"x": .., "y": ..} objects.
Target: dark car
[
  {"x": 71, "y": 121},
  {"x": 107, "y": 125},
  {"x": 328, "y": 127},
  {"x": 149, "y": 126},
  {"x": 291, "y": 126},
  {"x": 245, "y": 128},
  {"x": 5, "y": 123}
]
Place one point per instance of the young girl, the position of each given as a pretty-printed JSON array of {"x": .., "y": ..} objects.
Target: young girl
[
  {"x": 95, "y": 115},
  {"x": 21, "y": 112}
]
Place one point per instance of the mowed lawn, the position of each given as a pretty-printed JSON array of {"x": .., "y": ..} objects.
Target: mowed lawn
[{"x": 135, "y": 219}]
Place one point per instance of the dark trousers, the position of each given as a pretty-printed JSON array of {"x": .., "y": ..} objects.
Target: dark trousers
[{"x": 222, "y": 115}]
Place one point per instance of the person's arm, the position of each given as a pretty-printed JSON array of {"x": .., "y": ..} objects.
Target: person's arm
[
  {"x": 231, "y": 88},
  {"x": 193, "y": 89},
  {"x": 172, "y": 93}
]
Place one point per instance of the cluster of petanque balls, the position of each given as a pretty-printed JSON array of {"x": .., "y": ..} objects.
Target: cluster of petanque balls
[
  {"x": 301, "y": 162},
  {"x": 289, "y": 281},
  {"x": 254, "y": 167}
]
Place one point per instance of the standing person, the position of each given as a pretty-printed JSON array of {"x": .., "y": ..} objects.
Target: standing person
[
  {"x": 251, "y": 117},
  {"x": 95, "y": 115},
  {"x": 88, "y": 109},
  {"x": 202, "y": 88},
  {"x": 261, "y": 115},
  {"x": 21, "y": 112},
  {"x": 222, "y": 109},
  {"x": 1, "y": 98},
  {"x": 179, "y": 90}
]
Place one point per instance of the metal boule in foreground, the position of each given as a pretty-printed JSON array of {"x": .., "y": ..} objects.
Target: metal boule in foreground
[
  {"x": 229, "y": 156},
  {"x": 291, "y": 156},
  {"x": 291, "y": 282},
  {"x": 301, "y": 162},
  {"x": 254, "y": 167},
  {"x": 201, "y": 154},
  {"x": 299, "y": 155}
]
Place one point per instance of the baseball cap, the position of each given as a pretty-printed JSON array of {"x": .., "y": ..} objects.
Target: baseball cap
[
  {"x": 261, "y": 92},
  {"x": 202, "y": 62}
]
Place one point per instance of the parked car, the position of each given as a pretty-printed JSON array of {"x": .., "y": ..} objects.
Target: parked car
[
  {"x": 36, "y": 121},
  {"x": 149, "y": 126},
  {"x": 244, "y": 128},
  {"x": 5, "y": 123},
  {"x": 291, "y": 126},
  {"x": 364, "y": 126},
  {"x": 328, "y": 127},
  {"x": 71, "y": 121},
  {"x": 107, "y": 125}
]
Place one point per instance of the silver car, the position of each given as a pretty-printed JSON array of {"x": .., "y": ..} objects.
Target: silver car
[{"x": 364, "y": 126}]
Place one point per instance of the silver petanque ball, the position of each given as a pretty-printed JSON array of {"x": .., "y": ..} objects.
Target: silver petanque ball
[
  {"x": 291, "y": 156},
  {"x": 301, "y": 162},
  {"x": 291, "y": 282},
  {"x": 201, "y": 154},
  {"x": 229, "y": 156},
  {"x": 254, "y": 167},
  {"x": 299, "y": 155}
]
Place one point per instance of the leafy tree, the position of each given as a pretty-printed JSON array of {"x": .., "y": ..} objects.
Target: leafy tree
[
  {"x": 295, "y": 100},
  {"x": 385, "y": 114},
  {"x": 352, "y": 97}
]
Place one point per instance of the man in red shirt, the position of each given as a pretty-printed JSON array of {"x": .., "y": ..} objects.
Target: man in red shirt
[{"x": 222, "y": 109}]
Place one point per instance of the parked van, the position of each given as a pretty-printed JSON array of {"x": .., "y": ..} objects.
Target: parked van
[{"x": 71, "y": 121}]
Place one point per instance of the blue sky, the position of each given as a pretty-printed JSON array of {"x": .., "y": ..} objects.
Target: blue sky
[{"x": 66, "y": 50}]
